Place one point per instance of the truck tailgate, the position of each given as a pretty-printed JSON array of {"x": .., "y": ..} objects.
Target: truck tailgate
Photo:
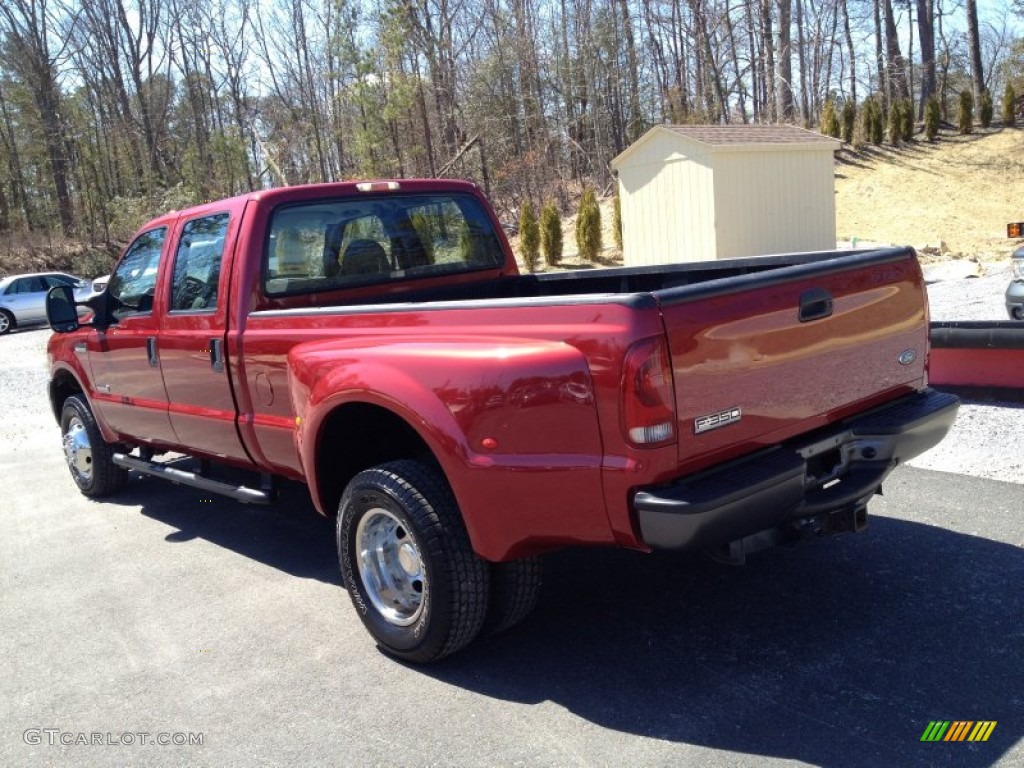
[{"x": 766, "y": 356}]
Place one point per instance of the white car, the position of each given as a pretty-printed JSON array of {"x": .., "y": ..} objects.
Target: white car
[{"x": 23, "y": 297}]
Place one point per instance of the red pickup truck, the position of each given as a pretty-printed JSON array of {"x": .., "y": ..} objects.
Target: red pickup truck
[{"x": 375, "y": 341}]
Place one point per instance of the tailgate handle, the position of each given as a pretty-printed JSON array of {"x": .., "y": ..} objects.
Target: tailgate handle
[{"x": 815, "y": 304}]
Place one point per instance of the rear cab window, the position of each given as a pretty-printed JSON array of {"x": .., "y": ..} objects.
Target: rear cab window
[
  {"x": 197, "y": 263},
  {"x": 333, "y": 244}
]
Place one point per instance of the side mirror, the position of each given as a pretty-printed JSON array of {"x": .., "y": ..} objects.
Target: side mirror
[{"x": 60, "y": 309}]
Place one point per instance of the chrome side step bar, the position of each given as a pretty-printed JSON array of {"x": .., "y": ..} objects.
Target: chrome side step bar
[{"x": 240, "y": 493}]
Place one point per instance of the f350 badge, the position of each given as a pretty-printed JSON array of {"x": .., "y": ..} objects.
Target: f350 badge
[{"x": 716, "y": 420}]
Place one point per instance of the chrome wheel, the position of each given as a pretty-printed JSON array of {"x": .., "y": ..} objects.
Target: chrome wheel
[
  {"x": 5, "y": 323},
  {"x": 390, "y": 567},
  {"x": 78, "y": 450}
]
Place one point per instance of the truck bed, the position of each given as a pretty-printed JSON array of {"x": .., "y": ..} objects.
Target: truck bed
[{"x": 695, "y": 279}]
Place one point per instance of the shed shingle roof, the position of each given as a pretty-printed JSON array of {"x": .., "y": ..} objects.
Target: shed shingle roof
[{"x": 725, "y": 135}]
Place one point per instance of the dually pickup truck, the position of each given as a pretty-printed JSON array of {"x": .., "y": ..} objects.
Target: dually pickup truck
[{"x": 375, "y": 341}]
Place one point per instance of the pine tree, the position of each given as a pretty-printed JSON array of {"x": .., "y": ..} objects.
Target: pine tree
[{"x": 1009, "y": 101}]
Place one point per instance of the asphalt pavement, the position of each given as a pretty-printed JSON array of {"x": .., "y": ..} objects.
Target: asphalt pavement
[{"x": 167, "y": 615}]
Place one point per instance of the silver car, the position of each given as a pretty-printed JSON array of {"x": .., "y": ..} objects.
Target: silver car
[{"x": 23, "y": 297}]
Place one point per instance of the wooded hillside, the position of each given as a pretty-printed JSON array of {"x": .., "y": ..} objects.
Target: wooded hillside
[{"x": 114, "y": 110}]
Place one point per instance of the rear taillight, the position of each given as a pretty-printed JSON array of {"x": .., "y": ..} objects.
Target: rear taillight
[{"x": 648, "y": 398}]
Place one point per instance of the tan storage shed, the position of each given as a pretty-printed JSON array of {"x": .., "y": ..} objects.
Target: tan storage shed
[{"x": 697, "y": 192}]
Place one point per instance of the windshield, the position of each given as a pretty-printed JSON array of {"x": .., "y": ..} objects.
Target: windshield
[{"x": 333, "y": 244}]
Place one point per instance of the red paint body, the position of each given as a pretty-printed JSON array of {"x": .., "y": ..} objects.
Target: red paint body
[{"x": 520, "y": 400}]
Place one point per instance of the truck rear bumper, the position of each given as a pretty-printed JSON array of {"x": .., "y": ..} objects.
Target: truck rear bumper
[{"x": 834, "y": 471}]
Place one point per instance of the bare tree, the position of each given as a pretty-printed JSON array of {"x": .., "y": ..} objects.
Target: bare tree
[
  {"x": 974, "y": 48},
  {"x": 926, "y": 35},
  {"x": 28, "y": 26}
]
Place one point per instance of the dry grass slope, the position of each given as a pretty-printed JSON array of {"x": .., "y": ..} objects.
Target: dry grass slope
[{"x": 961, "y": 190}]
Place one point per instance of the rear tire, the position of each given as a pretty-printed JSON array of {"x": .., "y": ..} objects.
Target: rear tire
[
  {"x": 407, "y": 561},
  {"x": 515, "y": 587},
  {"x": 88, "y": 455},
  {"x": 6, "y": 322}
]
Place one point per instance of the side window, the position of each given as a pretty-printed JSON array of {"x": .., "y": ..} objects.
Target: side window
[
  {"x": 133, "y": 283},
  {"x": 29, "y": 285},
  {"x": 197, "y": 264},
  {"x": 53, "y": 281}
]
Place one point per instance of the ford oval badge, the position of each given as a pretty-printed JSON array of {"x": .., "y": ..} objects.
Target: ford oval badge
[{"x": 907, "y": 356}]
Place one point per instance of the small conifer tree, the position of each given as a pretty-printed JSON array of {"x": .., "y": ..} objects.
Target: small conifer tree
[
  {"x": 895, "y": 123},
  {"x": 985, "y": 109},
  {"x": 551, "y": 233},
  {"x": 907, "y": 119},
  {"x": 588, "y": 226},
  {"x": 932, "y": 117},
  {"x": 529, "y": 237},
  {"x": 617, "y": 221},
  {"x": 877, "y": 124},
  {"x": 829, "y": 121},
  {"x": 965, "y": 114},
  {"x": 866, "y": 121},
  {"x": 1009, "y": 102},
  {"x": 848, "y": 121}
]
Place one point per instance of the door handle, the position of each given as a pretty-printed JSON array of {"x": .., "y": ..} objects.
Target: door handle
[
  {"x": 815, "y": 304},
  {"x": 217, "y": 355},
  {"x": 154, "y": 361}
]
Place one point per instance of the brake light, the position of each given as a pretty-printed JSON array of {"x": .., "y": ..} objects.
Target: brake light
[
  {"x": 377, "y": 186},
  {"x": 648, "y": 397}
]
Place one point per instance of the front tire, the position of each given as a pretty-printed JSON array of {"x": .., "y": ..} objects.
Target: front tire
[
  {"x": 89, "y": 456},
  {"x": 407, "y": 562},
  {"x": 6, "y": 322}
]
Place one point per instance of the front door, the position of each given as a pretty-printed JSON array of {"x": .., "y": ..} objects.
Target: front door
[{"x": 129, "y": 394}]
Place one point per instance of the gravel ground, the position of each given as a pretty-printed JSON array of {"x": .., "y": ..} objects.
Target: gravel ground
[
  {"x": 972, "y": 298},
  {"x": 986, "y": 439},
  {"x": 985, "y": 442}
]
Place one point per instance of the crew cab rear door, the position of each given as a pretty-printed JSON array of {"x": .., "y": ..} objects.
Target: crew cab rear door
[{"x": 193, "y": 333}]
